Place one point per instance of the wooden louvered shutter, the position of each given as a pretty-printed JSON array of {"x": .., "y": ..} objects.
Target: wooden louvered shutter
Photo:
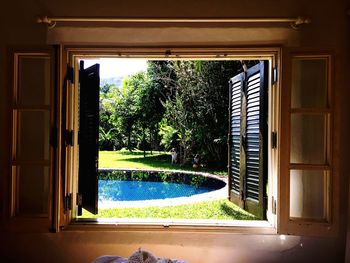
[
  {"x": 256, "y": 140},
  {"x": 235, "y": 139},
  {"x": 88, "y": 138},
  {"x": 248, "y": 173}
]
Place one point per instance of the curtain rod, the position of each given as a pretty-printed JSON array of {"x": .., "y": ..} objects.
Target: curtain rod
[{"x": 52, "y": 21}]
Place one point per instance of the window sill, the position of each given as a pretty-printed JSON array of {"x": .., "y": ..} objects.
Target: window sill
[{"x": 176, "y": 225}]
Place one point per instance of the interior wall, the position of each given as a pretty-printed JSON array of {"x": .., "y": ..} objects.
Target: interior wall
[
  {"x": 328, "y": 30},
  {"x": 82, "y": 247}
]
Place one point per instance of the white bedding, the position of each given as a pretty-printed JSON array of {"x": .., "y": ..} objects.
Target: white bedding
[{"x": 139, "y": 256}]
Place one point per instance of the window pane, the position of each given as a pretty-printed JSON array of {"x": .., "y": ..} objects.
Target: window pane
[
  {"x": 33, "y": 135},
  {"x": 34, "y": 80},
  {"x": 308, "y": 139},
  {"x": 32, "y": 190},
  {"x": 309, "y": 83},
  {"x": 308, "y": 194}
]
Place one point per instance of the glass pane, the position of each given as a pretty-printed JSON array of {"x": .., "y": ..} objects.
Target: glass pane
[
  {"x": 32, "y": 190},
  {"x": 309, "y": 83},
  {"x": 308, "y": 194},
  {"x": 33, "y": 135},
  {"x": 308, "y": 139},
  {"x": 33, "y": 80}
]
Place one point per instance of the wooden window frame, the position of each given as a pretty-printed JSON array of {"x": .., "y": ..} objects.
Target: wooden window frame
[{"x": 71, "y": 56}]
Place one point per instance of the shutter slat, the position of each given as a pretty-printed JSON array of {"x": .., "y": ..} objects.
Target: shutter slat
[
  {"x": 253, "y": 90},
  {"x": 253, "y": 76}
]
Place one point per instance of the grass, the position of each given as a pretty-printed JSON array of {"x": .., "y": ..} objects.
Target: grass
[
  {"x": 135, "y": 159},
  {"x": 217, "y": 210}
]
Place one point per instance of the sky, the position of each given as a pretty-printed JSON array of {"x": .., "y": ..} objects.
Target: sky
[{"x": 114, "y": 67}]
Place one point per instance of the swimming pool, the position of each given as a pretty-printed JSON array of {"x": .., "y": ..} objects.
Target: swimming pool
[
  {"x": 116, "y": 190},
  {"x": 122, "y": 186}
]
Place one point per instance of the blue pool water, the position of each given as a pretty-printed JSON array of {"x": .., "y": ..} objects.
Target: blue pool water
[{"x": 115, "y": 190}]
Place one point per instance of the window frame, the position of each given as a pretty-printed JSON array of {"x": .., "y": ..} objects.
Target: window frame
[{"x": 72, "y": 54}]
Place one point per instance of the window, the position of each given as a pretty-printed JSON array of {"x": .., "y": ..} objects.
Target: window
[
  {"x": 300, "y": 197},
  {"x": 253, "y": 146},
  {"x": 270, "y": 58}
]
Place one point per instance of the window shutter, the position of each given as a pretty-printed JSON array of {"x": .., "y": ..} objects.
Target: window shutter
[
  {"x": 309, "y": 185},
  {"x": 256, "y": 140},
  {"x": 88, "y": 138},
  {"x": 235, "y": 140},
  {"x": 33, "y": 140},
  {"x": 248, "y": 139}
]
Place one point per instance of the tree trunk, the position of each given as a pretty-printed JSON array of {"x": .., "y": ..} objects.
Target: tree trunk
[
  {"x": 129, "y": 141},
  {"x": 144, "y": 142},
  {"x": 150, "y": 140}
]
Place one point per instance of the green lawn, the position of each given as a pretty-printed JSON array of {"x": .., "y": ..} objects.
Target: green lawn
[
  {"x": 135, "y": 159},
  {"x": 219, "y": 209}
]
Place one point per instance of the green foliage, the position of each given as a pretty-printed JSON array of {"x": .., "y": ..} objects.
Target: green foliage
[
  {"x": 181, "y": 104},
  {"x": 198, "y": 108},
  {"x": 168, "y": 134},
  {"x": 128, "y": 107},
  {"x": 109, "y": 135},
  {"x": 218, "y": 210}
]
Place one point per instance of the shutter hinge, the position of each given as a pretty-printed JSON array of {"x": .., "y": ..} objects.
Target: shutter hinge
[
  {"x": 274, "y": 140},
  {"x": 68, "y": 202},
  {"x": 69, "y": 138},
  {"x": 274, "y": 75},
  {"x": 274, "y": 206},
  {"x": 242, "y": 195},
  {"x": 70, "y": 74},
  {"x": 79, "y": 199},
  {"x": 53, "y": 140},
  {"x": 80, "y": 204}
]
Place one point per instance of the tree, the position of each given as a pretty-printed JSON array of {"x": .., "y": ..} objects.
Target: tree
[
  {"x": 109, "y": 137},
  {"x": 198, "y": 110},
  {"x": 159, "y": 78},
  {"x": 127, "y": 109}
]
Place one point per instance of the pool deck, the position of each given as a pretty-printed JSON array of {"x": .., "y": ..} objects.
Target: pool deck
[{"x": 209, "y": 196}]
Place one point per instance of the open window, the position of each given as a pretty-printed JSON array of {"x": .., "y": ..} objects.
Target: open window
[
  {"x": 251, "y": 191},
  {"x": 299, "y": 195},
  {"x": 247, "y": 147}
]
